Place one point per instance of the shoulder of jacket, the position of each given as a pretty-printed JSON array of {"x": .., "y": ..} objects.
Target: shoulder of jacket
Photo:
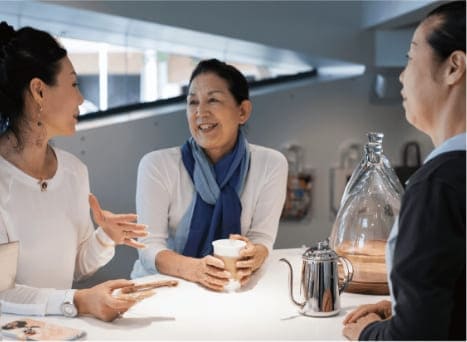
[{"x": 448, "y": 168}]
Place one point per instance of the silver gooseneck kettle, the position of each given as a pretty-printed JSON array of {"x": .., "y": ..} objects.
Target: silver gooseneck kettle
[{"x": 320, "y": 280}]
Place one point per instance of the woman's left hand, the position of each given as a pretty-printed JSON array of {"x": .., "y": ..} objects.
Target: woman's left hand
[
  {"x": 353, "y": 330},
  {"x": 251, "y": 258},
  {"x": 118, "y": 227}
]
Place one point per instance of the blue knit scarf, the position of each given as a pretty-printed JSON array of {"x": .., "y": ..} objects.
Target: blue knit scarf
[{"x": 216, "y": 209}]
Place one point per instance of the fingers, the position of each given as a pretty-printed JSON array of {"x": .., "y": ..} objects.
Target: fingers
[
  {"x": 353, "y": 330},
  {"x": 131, "y": 234},
  {"x": 213, "y": 261},
  {"x": 384, "y": 309},
  {"x": 359, "y": 312},
  {"x": 371, "y": 317},
  {"x": 213, "y": 276},
  {"x": 350, "y": 331},
  {"x": 134, "y": 243},
  {"x": 118, "y": 283},
  {"x": 248, "y": 252},
  {"x": 217, "y": 273},
  {"x": 244, "y": 272},
  {"x": 238, "y": 237},
  {"x": 121, "y": 218},
  {"x": 214, "y": 282},
  {"x": 134, "y": 227},
  {"x": 248, "y": 263},
  {"x": 244, "y": 278},
  {"x": 213, "y": 286},
  {"x": 120, "y": 304},
  {"x": 353, "y": 316}
]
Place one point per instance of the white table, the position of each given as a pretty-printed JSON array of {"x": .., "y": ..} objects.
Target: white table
[{"x": 261, "y": 311}]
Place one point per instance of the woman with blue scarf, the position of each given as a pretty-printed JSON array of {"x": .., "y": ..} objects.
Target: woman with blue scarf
[{"x": 215, "y": 186}]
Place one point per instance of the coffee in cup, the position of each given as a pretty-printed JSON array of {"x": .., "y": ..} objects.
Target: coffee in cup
[{"x": 228, "y": 250}]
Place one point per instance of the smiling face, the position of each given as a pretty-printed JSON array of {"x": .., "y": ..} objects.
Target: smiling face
[
  {"x": 60, "y": 101},
  {"x": 213, "y": 115},
  {"x": 422, "y": 92}
]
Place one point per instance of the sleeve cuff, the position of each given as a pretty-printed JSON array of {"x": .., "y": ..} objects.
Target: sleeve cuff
[
  {"x": 55, "y": 300},
  {"x": 370, "y": 332}
]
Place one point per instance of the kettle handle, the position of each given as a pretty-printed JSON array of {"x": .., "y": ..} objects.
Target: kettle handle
[{"x": 348, "y": 272}]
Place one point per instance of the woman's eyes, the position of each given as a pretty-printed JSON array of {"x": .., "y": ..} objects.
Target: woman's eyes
[
  {"x": 75, "y": 84},
  {"x": 195, "y": 102}
]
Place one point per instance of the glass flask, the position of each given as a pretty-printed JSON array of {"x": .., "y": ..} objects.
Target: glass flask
[
  {"x": 364, "y": 221},
  {"x": 375, "y": 137}
]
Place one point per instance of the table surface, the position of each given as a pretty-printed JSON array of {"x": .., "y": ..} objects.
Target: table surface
[{"x": 260, "y": 311}]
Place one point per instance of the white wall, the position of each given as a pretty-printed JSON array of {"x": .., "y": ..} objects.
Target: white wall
[{"x": 318, "y": 116}]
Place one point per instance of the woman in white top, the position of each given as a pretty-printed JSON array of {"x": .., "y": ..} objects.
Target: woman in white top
[
  {"x": 44, "y": 192},
  {"x": 216, "y": 185}
]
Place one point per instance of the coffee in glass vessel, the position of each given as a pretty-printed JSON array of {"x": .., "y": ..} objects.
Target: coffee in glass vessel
[{"x": 364, "y": 221}]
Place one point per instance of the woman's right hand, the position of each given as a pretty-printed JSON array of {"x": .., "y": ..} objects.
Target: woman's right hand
[
  {"x": 99, "y": 302},
  {"x": 382, "y": 309},
  {"x": 210, "y": 273}
]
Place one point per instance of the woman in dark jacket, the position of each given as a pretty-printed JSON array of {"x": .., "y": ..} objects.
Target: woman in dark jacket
[{"x": 426, "y": 248}]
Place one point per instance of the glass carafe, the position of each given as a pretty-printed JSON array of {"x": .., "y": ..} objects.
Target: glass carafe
[
  {"x": 364, "y": 221},
  {"x": 375, "y": 137}
]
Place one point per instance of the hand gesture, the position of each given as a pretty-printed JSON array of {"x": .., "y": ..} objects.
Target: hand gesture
[
  {"x": 382, "y": 309},
  {"x": 353, "y": 330},
  {"x": 99, "y": 302},
  {"x": 118, "y": 227},
  {"x": 252, "y": 257},
  {"x": 211, "y": 274}
]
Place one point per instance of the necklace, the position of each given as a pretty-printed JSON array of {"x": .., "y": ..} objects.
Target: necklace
[{"x": 43, "y": 184}]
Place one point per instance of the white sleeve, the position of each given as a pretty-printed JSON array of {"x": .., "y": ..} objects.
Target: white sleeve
[
  {"x": 152, "y": 207},
  {"x": 25, "y": 300},
  {"x": 3, "y": 232},
  {"x": 95, "y": 247},
  {"x": 265, "y": 221}
]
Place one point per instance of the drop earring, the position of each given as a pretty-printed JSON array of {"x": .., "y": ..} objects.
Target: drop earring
[{"x": 39, "y": 122}]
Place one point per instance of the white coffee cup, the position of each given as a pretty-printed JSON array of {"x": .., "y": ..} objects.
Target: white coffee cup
[{"x": 228, "y": 250}]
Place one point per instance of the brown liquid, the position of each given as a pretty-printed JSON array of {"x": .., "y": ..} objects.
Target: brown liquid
[
  {"x": 230, "y": 265},
  {"x": 369, "y": 264}
]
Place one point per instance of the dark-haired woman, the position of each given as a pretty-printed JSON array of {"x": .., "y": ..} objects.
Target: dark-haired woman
[
  {"x": 426, "y": 250},
  {"x": 44, "y": 191},
  {"x": 215, "y": 185}
]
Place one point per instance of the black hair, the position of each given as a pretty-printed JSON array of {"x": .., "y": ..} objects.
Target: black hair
[
  {"x": 237, "y": 83},
  {"x": 24, "y": 54},
  {"x": 449, "y": 35}
]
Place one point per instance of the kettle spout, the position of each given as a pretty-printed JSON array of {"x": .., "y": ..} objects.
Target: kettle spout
[{"x": 301, "y": 305}]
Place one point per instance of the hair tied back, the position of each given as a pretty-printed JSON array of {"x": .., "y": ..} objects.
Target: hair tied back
[{"x": 7, "y": 33}]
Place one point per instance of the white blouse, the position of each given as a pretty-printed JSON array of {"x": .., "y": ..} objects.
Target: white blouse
[
  {"x": 165, "y": 190},
  {"x": 58, "y": 243}
]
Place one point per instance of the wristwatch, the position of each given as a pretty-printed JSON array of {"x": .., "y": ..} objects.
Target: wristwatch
[{"x": 68, "y": 306}]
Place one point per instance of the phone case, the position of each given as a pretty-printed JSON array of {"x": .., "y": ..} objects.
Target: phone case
[{"x": 30, "y": 329}]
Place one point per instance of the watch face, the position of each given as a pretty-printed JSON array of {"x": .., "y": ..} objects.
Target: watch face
[{"x": 69, "y": 310}]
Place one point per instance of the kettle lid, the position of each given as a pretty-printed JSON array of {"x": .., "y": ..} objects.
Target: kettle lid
[{"x": 320, "y": 252}]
